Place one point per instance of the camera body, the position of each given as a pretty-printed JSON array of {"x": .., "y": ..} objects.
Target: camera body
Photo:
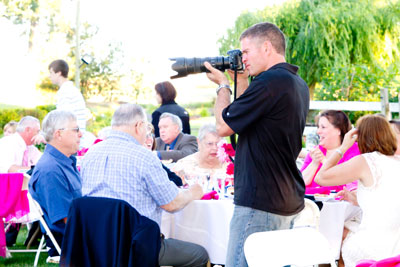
[{"x": 185, "y": 66}]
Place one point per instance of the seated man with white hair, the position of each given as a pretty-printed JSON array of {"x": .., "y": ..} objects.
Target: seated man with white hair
[
  {"x": 17, "y": 153},
  {"x": 172, "y": 143},
  {"x": 55, "y": 181},
  {"x": 17, "y": 150}
]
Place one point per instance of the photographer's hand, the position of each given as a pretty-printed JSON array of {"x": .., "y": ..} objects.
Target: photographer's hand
[{"x": 215, "y": 75}]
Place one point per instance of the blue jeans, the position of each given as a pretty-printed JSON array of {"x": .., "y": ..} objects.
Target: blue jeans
[{"x": 246, "y": 221}]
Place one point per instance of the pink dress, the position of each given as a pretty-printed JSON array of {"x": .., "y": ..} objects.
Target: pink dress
[{"x": 314, "y": 188}]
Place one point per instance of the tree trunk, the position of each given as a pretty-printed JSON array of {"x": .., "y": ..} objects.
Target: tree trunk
[
  {"x": 312, "y": 89},
  {"x": 32, "y": 28}
]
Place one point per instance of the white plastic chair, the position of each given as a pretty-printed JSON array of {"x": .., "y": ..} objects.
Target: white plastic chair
[
  {"x": 48, "y": 232},
  {"x": 303, "y": 245},
  {"x": 309, "y": 216}
]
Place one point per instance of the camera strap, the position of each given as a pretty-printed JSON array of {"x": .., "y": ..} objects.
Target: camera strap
[{"x": 233, "y": 136}]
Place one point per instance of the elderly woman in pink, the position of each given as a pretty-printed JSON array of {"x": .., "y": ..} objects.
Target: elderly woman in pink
[{"x": 332, "y": 126}]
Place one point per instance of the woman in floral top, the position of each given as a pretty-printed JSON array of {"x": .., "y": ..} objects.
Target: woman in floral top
[{"x": 204, "y": 163}]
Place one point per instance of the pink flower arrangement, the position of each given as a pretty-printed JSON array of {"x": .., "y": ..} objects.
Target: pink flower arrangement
[
  {"x": 226, "y": 153},
  {"x": 229, "y": 169},
  {"x": 82, "y": 152}
]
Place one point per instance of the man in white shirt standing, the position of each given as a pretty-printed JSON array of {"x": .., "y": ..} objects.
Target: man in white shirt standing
[{"x": 69, "y": 97}]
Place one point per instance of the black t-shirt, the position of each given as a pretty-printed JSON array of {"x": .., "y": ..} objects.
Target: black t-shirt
[
  {"x": 174, "y": 108},
  {"x": 269, "y": 118}
]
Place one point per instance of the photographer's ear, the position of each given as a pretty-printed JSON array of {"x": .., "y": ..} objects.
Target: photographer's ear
[{"x": 267, "y": 46}]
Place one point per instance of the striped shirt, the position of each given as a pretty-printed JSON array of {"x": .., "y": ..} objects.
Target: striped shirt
[
  {"x": 121, "y": 168},
  {"x": 70, "y": 98}
]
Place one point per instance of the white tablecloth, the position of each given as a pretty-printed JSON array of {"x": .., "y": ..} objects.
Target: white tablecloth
[
  {"x": 332, "y": 218},
  {"x": 206, "y": 222}
]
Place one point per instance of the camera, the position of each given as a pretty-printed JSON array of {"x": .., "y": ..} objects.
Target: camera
[{"x": 185, "y": 66}]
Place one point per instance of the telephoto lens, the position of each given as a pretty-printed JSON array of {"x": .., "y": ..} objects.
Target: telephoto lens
[{"x": 185, "y": 66}]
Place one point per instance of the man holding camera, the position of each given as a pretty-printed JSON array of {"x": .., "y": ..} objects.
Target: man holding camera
[{"x": 269, "y": 116}]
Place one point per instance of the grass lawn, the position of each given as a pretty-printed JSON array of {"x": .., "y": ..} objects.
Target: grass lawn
[{"x": 24, "y": 259}]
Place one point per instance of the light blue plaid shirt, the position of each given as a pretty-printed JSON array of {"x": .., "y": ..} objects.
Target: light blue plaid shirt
[{"x": 121, "y": 168}]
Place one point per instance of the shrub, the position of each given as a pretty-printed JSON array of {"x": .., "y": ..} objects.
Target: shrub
[{"x": 16, "y": 114}]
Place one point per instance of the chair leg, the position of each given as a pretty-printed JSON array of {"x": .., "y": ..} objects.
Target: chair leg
[
  {"x": 33, "y": 237},
  {"x": 50, "y": 235},
  {"x": 38, "y": 251},
  {"x": 7, "y": 227}
]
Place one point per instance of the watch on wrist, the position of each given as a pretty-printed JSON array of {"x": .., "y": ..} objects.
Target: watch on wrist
[{"x": 223, "y": 86}]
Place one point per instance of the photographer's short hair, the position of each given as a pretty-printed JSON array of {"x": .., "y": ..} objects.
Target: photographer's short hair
[
  {"x": 127, "y": 114},
  {"x": 60, "y": 65},
  {"x": 166, "y": 90},
  {"x": 206, "y": 129},
  {"x": 267, "y": 31},
  {"x": 27, "y": 121},
  {"x": 55, "y": 120},
  {"x": 175, "y": 119},
  {"x": 376, "y": 134}
]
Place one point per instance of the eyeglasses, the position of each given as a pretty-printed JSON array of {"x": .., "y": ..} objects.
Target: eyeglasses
[
  {"x": 211, "y": 144},
  {"x": 149, "y": 135},
  {"x": 76, "y": 129}
]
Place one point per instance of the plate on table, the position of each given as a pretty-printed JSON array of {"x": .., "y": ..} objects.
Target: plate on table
[{"x": 323, "y": 197}]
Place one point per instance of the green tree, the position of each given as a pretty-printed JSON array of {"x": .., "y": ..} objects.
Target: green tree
[
  {"x": 100, "y": 77},
  {"x": 346, "y": 49},
  {"x": 136, "y": 85}
]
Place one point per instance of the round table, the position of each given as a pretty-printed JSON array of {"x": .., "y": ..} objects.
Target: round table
[{"x": 206, "y": 222}]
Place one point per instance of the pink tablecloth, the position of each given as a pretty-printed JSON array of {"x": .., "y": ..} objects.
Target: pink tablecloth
[
  {"x": 14, "y": 202},
  {"x": 390, "y": 262}
]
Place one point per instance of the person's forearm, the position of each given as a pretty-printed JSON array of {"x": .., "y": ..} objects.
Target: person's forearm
[
  {"x": 16, "y": 168},
  {"x": 309, "y": 172},
  {"x": 182, "y": 199},
  {"x": 223, "y": 100},
  {"x": 329, "y": 163}
]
